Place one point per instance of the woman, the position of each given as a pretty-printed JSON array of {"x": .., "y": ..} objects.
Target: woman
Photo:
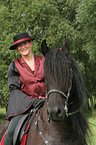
[{"x": 26, "y": 82}]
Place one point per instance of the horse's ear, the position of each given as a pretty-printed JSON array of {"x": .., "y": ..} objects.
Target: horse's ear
[
  {"x": 44, "y": 47},
  {"x": 66, "y": 47}
]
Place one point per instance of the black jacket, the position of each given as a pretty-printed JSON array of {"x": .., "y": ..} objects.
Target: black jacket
[{"x": 18, "y": 101}]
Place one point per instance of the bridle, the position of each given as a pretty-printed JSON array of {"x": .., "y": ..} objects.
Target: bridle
[{"x": 64, "y": 95}]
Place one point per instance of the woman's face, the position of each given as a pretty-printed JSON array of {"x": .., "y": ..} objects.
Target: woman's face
[{"x": 24, "y": 48}]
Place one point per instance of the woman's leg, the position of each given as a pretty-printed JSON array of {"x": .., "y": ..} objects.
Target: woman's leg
[{"x": 10, "y": 132}]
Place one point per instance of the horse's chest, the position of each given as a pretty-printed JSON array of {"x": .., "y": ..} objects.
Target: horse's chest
[{"x": 55, "y": 138}]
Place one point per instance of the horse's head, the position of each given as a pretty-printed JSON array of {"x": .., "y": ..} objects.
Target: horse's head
[{"x": 63, "y": 81}]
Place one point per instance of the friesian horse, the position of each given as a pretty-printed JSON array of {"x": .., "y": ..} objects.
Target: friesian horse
[{"x": 60, "y": 121}]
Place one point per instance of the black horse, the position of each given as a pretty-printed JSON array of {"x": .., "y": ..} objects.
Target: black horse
[{"x": 61, "y": 121}]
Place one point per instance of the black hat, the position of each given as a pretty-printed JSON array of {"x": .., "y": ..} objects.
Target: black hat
[{"x": 19, "y": 38}]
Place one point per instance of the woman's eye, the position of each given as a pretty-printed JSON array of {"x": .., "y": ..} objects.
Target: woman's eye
[
  {"x": 18, "y": 45},
  {"x": 25, "y": 42}
]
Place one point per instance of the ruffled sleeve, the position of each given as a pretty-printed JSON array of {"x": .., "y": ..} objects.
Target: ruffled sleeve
[
  {"x": 19, "y": 102},
  {"x": 13, "y": 77}
]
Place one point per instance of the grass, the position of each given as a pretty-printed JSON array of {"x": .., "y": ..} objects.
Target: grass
[
  {"x": 92, "y": 125},
  {"x": 2, "y": 115},
  {"x": 91, "y": 121}
]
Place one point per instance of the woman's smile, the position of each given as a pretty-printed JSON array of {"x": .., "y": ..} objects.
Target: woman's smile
[{"x": 24, "y": 48}]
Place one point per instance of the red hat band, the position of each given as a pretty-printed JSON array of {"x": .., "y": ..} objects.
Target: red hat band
[{"x": 21, "y": 40}]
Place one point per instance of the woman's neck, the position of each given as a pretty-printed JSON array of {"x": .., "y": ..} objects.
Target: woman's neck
[
  {"x": 28, "y": 58},
  {"x": 30, "y": 61}
]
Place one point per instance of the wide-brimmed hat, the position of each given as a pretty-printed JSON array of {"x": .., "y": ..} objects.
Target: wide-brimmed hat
[{"x": 19, "y": 38}]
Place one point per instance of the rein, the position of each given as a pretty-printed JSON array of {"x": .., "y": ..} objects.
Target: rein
[
  {"x": 31, "y": 117},
  {"x": 40, "y": 132}
]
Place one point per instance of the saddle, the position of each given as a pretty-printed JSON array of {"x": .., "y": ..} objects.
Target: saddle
[{"x": 25, "y": 122}]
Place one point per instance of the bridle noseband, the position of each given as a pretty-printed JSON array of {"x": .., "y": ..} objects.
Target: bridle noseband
[{"x": 64, "y": 95}]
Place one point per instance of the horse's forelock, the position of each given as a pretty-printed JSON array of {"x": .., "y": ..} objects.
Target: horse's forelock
[{"x": 57, "y": 68}]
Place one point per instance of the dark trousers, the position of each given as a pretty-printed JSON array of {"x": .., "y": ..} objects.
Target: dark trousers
[{"x": 10, "y": 132}]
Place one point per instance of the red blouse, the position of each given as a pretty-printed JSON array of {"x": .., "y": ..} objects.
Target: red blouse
[{"x": 32, "y": 83}]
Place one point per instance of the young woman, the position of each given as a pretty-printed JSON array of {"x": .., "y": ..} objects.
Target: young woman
[{"x": 26, "y": 83}]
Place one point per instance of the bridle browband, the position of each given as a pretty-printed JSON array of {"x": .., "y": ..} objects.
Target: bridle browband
[{"x": 64, "y": 95}]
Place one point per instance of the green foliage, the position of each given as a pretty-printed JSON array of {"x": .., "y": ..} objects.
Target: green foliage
[
  {"x": 94, "y": 101},
  {"x": 92, "y": 125},
  {"x": 2, "y": 115},
  {"x": 86, "y": 20},
  {"x": 53, "y": 20}
]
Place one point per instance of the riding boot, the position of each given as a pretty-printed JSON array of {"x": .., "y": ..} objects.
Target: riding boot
[
  {"x": 10, "y": 132},
  {"x": 8, "y": 141}
]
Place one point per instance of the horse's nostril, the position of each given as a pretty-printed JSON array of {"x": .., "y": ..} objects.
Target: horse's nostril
[
  {"x": 58, "y": 113},
  {"x": 55, "y": 113},
  {"x": 47, "y": 111}
]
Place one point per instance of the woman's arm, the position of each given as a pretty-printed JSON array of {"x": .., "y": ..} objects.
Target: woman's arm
[
  {"x": 19, "y": 102},
  {"x": 13, "y": 77}
]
